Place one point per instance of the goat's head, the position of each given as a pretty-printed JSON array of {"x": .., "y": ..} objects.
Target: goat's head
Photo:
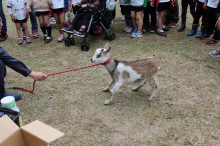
[{"x": 101, "y": 54}]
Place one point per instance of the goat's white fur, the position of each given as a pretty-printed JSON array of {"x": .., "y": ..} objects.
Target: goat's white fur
[{"x": 138, "y": 72}]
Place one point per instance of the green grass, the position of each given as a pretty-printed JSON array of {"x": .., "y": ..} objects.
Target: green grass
[{"x": 184, "y": 111}]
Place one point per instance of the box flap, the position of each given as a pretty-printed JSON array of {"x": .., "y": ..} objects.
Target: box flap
[
  {"x": 41, "y": 132},
  {"x": 10, "y": 134}
]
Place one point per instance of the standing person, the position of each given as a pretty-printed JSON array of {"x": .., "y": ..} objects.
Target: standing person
[
  {"x": 152, "y": 11},
  {"x": 172, "y": 16},
  {"x": 200, "y": 12},
  {"x": 136, "y": 17},
  {"x": 34, "y": 25},
  {"x": 126, "y": 12},
  {"x": 211, "y": 7},
  {"x": 3, "y": 35},
  {"x": 42, "y": 10},
  {"x": 18, "y": 66},
  {"x": 185, "y": 4},
  {"x": 58, "y": 10},
  {"x": 17, "y": 11},
  {"x": 162, "y": 8}
]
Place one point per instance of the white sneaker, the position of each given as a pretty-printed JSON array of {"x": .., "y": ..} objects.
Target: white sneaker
[
  {"x": 130, "y": 29},
  {"x": 122, "y": 17},
  {"x": 126, "y": 28}
]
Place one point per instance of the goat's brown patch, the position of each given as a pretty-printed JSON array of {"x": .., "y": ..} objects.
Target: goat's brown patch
[{"x": 125, "y": 75}]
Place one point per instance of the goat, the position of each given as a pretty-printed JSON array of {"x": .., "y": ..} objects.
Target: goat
[{"x": 138, "y": 72}]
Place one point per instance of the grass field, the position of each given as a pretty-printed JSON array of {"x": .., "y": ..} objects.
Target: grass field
[{"x": 184, "y": 111}]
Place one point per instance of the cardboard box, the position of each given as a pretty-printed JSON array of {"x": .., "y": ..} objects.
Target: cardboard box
[{"x": 33, "y": 134}]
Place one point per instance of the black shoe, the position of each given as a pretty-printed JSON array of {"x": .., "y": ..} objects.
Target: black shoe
[
  {"x": 80, "y": 33},
  {"x": 48, "y": 39},
  {"x": 213, "y": 42},
  {"x": 152, "y": 30},
  {"x": 16, "y": 96},
  {"x": 68, "y": 29},
  {"x": 162, "y": 33},
  {"x": 205, "y": 37},
  {"x": 182, "y": 28},
  {"x": 165, "y": 28}
]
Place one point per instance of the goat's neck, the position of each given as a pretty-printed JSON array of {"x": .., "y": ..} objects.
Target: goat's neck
[{"x": 111, "y": 66}]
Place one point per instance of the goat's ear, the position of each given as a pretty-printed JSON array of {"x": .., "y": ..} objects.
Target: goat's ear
[{"x": 107, "y": 48}]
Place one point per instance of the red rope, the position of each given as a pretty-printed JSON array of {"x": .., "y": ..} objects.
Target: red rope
[{"x": 56, "y": 73}]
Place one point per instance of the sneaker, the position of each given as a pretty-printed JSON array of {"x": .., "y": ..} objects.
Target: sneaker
[
  {"x": 48, "y": 39},
  {"x": 35, "y": 34},
  {"x": 16, "y": 96},
  {"x": 68, "y": 29},
  {"x": 144, "y": 29},
  {"x": 80, "y": 33},
  {"x": 129, "y": 29},
  {"x": 205, "y": 37},
  {"x": 161, "y": 32},
  {"x": 165, "y": 28},
  {"x": 60, "y": 38},
  {"x": 20, "y": 41},
  {"x": 24, "y": 35},
  {"x": 152, "y": 30},
  {"x": 182, "y": 28},
  {"x": 134, "y": 33},
  {"x": 28, "y": 40},
  {"x": 212, "y": 42},
  {"x": 126, "y": 28},
  {"x": 139, "y": 34},
  {"x": 214, "y": 53},
  {"x": 3, "y": 37}
]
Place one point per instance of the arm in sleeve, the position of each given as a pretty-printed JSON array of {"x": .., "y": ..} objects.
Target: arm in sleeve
[
  {"x": 9, "y": 6},
  {"x": 13, "y": 63}
]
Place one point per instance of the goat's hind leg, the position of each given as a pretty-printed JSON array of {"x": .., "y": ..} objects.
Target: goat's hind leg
[
  {"x": 107, "y": 89},
  {"x": 154, "y": 84}
]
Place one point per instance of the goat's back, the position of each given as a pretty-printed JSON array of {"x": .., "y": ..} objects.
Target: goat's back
[{"x": 147, "y": 67}]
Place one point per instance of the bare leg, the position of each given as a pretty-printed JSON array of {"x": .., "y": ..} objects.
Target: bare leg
[
  {"x": 139, "y": 20},
  {"x": 18, "y": 28},
  {"x": 107, "y": 88}
]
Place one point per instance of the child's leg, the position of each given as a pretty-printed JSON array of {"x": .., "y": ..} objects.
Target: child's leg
[
  {"x": 153, "y": 14},
  {"x": 139, "y": 20},
  {"x": 133, "y": 19},
  {"x": 146, "y": 16},
  {"x": 47, "y": 24},
  {"x": 192, "y": 8},
  {"x": 161, "y": 15},
  {"x": 42, "y": 26},
  {"x": 25, "y": 27},
  {"x": 18, "y": 29},
  {"x": 184, "y": 11}
]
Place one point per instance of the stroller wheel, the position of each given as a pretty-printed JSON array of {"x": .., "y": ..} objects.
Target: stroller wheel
[
  {"x": 85, "y": 46},
  {"x": 112, "y": 36},
  {"x": 67, "y": 42},
  {"x": 72, "y": 42}
]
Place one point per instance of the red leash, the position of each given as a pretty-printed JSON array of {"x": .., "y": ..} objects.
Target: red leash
[{"x": 56, "y": 73}]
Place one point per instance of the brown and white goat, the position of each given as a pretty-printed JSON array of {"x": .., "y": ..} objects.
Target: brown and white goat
[{"x": 138, "y": 72}]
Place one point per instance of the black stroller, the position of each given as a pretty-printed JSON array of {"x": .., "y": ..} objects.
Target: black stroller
[{"x": 102, "y": 18}]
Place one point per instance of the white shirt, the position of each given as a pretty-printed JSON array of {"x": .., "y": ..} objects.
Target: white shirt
[
  {"x": 74, "y": 2},
  {"x": 202, "y": 1},
  {"x": 17, "y": 8},
  {"x": 57, "y": 4},
  {"x": 163, "y": 1},
  {"x": 213, "y": 3}
]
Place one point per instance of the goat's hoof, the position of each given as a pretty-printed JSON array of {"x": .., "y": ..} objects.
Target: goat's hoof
[
  {"x": 107, "y": 102},
  {"x": 149, "y": 99},
  {"x": 135, "y": 90}
]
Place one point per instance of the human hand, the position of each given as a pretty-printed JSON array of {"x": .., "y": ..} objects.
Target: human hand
[
  {"x": 205, "y": 6},
  {"x": 51, "y": 5},
  {"x": 83, "y": 5},
  {"x": 12, "y": 18},
  {"x": 38, "y": 76},
  {"x": 152, "y": 4}
]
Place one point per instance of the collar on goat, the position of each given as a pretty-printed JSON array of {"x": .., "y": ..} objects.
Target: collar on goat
[{"x": 107, "y": 62}]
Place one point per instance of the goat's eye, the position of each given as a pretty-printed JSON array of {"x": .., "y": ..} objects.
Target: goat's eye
[{"x": 99, "y": 56}]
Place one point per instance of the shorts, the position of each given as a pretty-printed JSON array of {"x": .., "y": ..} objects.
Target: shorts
[
  {"x": 21, "y": 21},
  {"x": 42, "y": 13},
  {"x": 125, "y": 10},
  {"x": 58, "y": 11},
  {"x": 137, "y": 9},
  {"x": 163, "y": 6}
]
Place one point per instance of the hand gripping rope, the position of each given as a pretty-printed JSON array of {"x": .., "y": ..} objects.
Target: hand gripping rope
[{"x": 56, "y": 73}]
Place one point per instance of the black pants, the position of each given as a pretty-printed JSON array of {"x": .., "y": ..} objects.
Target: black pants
[
  {"x": 211, "y": 20},
  {"x": 185, "y": 4},
  {"x": 81, "y": 19},
  {"x": 152, "y": 12},
  {"x": 172, "y": 13},
  {"x": 2, "y": 76},
  {"x": 216, "y": 35},
  {"x": 200, "y": 12}
]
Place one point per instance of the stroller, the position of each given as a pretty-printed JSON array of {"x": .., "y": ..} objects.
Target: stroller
[{"x": 102, "y": 18}]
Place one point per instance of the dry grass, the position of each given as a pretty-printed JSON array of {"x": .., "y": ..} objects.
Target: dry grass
[{"x": 185, "y": 110}]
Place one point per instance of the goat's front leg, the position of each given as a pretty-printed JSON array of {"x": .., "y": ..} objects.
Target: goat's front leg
[
  {"x": 113, "y": 91},
  {"x": 107, "y": 88}
]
